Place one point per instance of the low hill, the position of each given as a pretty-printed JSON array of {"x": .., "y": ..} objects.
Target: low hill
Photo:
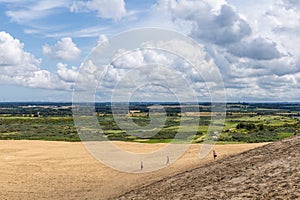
[{"x": 268, "y": 172}]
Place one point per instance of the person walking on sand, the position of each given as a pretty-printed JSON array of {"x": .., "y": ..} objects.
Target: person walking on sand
[
  {"x": 142, "y": 165},
  {"x": 214, "y": 154},
  {"x": 168, "y": 160}
]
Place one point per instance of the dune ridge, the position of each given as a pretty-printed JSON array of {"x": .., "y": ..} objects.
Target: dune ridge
[{"x": 268, "y": 172}]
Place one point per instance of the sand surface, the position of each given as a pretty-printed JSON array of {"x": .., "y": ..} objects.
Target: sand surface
[
  {"x": 62, "y": 170},
  {"x": 268, "y": 172}
]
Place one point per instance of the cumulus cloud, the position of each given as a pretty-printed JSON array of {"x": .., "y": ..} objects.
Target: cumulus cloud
[
  {"x": 258, "y": 48},
  {"x": 13, "y": 55},
  {"x": 102, "y": 38},
  {"x": 273, "y": 82},
  {"x": 133, "y": 60},
  {"x": 248, "y": 47},
  {"x": 253, "y": 45},
  {"x": 138, "y": 58},
  {"x": 135, "y": 69},
  {"x": 292, "y": 4},
  {"x": 215, "y": 23},
  {"x": 64, "y": 49},
  {"x": 44, "y": 79},
  {"x": 19, "y": 67},
  {"x": 112, "y": 9},
  {"x": 88, "y": 76},
  {"x": 68, "y": 75},
  {"x": 223, "y": 28}
]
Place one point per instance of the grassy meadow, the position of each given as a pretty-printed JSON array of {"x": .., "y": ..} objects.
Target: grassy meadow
[{"x": 237, "y": 128}]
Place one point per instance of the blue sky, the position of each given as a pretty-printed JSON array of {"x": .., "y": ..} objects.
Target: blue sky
[{"x": 254, "y": 44}]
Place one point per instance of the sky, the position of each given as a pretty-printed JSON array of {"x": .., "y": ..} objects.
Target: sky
[{"x": 254, "y": 44}]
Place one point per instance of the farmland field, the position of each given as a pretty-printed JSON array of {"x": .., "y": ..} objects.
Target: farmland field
[{"x": 242, "y": 124}]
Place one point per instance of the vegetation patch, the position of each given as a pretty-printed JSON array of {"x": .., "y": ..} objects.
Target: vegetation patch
[{"x": 244, "y": 123}]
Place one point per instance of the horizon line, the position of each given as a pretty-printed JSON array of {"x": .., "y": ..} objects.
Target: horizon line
[{"x": 186, "y": 102}]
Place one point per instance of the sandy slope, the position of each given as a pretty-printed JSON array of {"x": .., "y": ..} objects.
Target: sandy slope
[
  {"x": 61, "y": 170},
  {"x": 268, "y": 172}
]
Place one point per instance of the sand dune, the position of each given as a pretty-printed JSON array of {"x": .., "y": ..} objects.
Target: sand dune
[
  {"x": 61, "y": 170},
  {"x": 268, "y": 172}
]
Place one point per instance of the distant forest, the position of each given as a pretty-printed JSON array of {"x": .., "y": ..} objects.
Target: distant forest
[{"x": 65, "y": 109}]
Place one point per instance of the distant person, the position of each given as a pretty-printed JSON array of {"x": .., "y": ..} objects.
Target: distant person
[
  {"x": 142, "y": 165},
  {"x": 214, "y": 154},
  {"x": 168, "y": 160}
]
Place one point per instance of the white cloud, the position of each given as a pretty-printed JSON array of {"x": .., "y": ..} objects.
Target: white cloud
[
  {"x": 292, "y": 4},
  {"x": 19, "y": 67},
  {"x": 112, "y": 9},
  {"x": 210, "y": 21},
  {"x": 93, "y": 31},
  {"x": 258, "y": 48},
  {"x": 24, "y": 11},
  {"x": 44, "y": 79},
  {"x": 130, "y": 60},
  {"x": 160, "y": 70},
  {"x": 13, "y": 55},
  {"x": 102, "y": 38},
  {"x": 88, "y": 76},
  {"x": 247, "y": 53},
  {"x": 249, "y": 42},
  {"x": 222, "y": 28},
  {"x": 68, "y": 75},
  {"x": 285, "y": 28},
  {"x": 64, "y": 49}
]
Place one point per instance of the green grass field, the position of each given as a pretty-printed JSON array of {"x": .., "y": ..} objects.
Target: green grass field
[{"x": 260, "y": 128}]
